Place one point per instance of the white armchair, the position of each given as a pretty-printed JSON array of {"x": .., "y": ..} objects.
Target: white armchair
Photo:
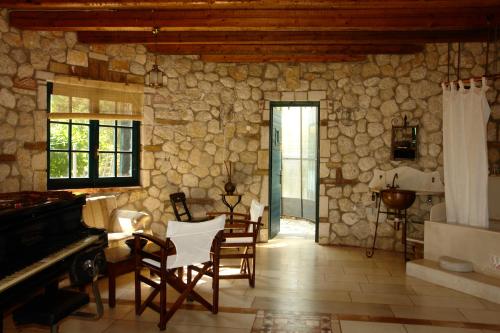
[{"x": 102, "y": 212}]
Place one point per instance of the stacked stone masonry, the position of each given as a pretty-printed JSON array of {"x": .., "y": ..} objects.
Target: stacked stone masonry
[{"x": 212, "y": 112}]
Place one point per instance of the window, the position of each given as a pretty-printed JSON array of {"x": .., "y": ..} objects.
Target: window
[{"x": 88, "y": 152}]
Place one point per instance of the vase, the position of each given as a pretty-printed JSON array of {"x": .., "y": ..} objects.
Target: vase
[{"x": 229, "y": 187}]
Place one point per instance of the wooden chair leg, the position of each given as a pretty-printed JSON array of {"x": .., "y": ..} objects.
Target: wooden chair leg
[
  {"x": 163, "y": 301},
  {"x": 252, "y": 272},
  {"x": 215, "y": 286},
  {"x": 189, "y": 278},
  {"x": 137, "y": 291},
  {"x": 245, "y": 264}
]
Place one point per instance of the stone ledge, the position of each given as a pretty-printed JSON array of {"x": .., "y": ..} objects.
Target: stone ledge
[
  {"x": 153, "y": 148},
  {"x": 333, "y": 165},
  {"x": 25, "y": 83},
  {"x": 7, "y": 158},
  {"x": 159, "y": 121},
  {"x": 42, "y": 145},
  {"x": 200, "y": 201}
]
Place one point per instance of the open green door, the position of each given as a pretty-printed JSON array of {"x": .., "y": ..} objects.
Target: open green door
[
  {"x": 293, "y": 163},
  {"x": 275, "y": 172}
]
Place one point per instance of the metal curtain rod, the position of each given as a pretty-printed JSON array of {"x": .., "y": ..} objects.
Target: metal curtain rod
[{"x": 476, "y": 79}]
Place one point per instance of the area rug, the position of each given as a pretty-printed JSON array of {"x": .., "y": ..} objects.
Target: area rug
[{"x": 272, "y": 321}]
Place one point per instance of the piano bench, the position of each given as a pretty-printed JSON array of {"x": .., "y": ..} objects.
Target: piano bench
[{"x": 50, "y": 309}]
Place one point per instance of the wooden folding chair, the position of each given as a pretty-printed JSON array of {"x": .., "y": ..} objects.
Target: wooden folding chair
[
  {"x": 187, "y": 244},
  {"x": 181, "y": 210},
  {"x": 240, "y": 240}
]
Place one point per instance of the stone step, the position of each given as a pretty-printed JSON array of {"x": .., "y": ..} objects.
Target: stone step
[{"x": 471, "y": 283}]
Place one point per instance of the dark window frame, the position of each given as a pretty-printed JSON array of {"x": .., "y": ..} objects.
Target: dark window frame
[{"x": 94, "y": 181}]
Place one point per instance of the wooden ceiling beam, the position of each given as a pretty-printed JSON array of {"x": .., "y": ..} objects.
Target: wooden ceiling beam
[
  {"x": 313, "y": 49},
  {"x": 294, "y": 58},
  {"x": 240, "y": 4},
  {"x": 282, "y": 37},
  {"x": 258, "y": 20}
]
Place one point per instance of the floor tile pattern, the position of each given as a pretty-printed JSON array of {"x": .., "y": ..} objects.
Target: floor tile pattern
[
  {"x": 296, "y": 275},
  {"x": 267, "y": 321}
]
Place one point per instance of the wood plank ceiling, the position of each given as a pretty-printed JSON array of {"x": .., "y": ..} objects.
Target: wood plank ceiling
[{"x": 265, "y": 30}]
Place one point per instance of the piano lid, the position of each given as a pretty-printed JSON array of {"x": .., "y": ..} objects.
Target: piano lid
[
  {"x": 13, "y": 200},
  {"x": 29, "y": 203}
]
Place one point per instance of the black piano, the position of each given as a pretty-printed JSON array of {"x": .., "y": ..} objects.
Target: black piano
[{"x": 42, "y": 239}]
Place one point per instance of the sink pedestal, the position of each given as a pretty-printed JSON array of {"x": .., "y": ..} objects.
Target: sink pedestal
[{"x": 398, "y": 201}]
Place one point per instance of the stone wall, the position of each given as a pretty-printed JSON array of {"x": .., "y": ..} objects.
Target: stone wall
[{"x": 211, "y": 112}]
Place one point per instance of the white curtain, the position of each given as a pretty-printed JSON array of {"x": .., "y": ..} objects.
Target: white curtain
[{"x": 465, "y": 115}]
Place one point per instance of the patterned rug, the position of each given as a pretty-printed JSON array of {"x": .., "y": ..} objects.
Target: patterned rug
[{"x": 267, "y": 321}]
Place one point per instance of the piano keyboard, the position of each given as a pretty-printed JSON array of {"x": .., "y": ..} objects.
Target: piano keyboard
[{"x": 40, "y": 265}]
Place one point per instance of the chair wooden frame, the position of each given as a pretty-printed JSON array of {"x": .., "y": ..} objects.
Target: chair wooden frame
[
  {"x": 168, "y": 276},
  {"x": 181, "y": 210},
  {"x": 244, "y": 250}
]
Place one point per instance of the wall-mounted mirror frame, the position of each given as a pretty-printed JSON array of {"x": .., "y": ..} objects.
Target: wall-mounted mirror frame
[{"x": 404, "y": 140}]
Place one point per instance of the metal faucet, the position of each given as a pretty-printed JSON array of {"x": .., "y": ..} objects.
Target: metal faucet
[{"x": 394, "y": 179}]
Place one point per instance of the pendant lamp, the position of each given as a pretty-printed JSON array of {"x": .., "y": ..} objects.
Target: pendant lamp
[{"x": 154, "y": 77}]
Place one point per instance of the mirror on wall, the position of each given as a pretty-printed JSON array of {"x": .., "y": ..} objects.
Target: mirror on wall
[{"x": 404, "y": 140}]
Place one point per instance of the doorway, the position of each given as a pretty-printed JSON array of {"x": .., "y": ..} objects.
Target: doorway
[{"x": 293, "y": 184}]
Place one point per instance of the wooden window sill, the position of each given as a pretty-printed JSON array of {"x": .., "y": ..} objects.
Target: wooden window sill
[{"x": 95, "y": 190}]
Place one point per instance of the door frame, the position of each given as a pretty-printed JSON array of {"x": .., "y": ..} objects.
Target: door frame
[{"x": 272, "y": 105}]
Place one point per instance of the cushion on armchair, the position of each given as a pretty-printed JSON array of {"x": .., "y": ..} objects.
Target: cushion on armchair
[
  {"x": 97, "y": 210},
  {"x": 101, "y": 212},
  {"x": 128, "y": 221}
]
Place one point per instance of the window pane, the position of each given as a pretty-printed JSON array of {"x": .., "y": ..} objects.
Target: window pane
[
  {"x": 107, "y": 107},
  {"x": 127, "y": 123},
  {"x": 106, "y": 165},
  {"x": 291, "y": 179},
  {"x": 59, "y": 137},
  {"x": 124, "y": 165},
  {"x": 291, "y": 132},
  {"x": 80, "y": 165},
  {"x": 124, "y": 139},
  {"x": 308, "y": 179},
  {"x": 124, "y": 108},
  {"x": 80, "y": 105},
  {"x": 59, "y": 104},
  {"x": 106, "y": 138},
  {"x": 80, "y": 137},
  {"x": 59, "y": 165},
  {"x": 309, "y": 128}
]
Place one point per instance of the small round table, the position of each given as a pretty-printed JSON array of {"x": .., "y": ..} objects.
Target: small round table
[{"x": 231, "y": 205}]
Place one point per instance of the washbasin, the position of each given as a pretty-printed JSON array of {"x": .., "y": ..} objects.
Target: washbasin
[{"x": 396, "y": 198}]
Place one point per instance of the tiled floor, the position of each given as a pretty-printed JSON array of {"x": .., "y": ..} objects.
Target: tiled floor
[
  {"x": 297, "y": 278},
  {"x": 290, "y": 227}
]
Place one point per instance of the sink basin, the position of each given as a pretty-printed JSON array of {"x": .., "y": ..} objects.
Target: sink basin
[{"x": 395, "y": 198}]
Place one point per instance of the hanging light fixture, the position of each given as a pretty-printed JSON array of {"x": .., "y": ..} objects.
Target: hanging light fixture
[{"x": 154, "y": 78}]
